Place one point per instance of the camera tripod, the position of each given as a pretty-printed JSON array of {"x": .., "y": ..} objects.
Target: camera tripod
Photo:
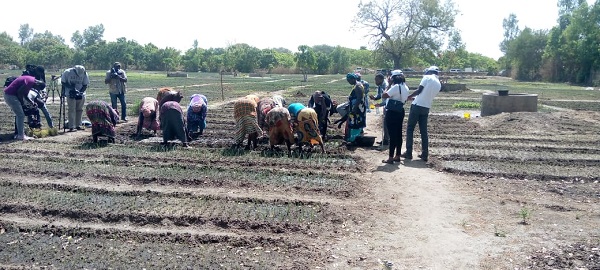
[{"x": 54, "y": 87}]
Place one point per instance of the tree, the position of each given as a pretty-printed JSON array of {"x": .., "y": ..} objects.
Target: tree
[
  {"x": 268, "y": 60},
  {"x": 361, "y": 58},
  {"x": 91, "y": 35},
  {"x": 25, "y": 33},
  {"x": 245, "y": 57},
  {"x": 511, "y": 31},
  {"x": 121, "y": 51},
  {"x": 400, "y": 27},
  {"x": 579, "y": 44},
  {"x": 340, "y": 60},
  {"x": 566, "y": 7},
  {"x": 285, "y": 59},
  {"x": 192, "y": 59},
  {"x": 306, "y": 60},
  {"x": 48, "y": 50},
  {"x": 323, "y": 62},
  {"x": 10, "y": 51},
  {"x": 569, "y": 51},
  {"x": 525, "y": 53}
]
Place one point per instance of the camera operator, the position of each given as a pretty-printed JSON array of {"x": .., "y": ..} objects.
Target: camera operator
[
  {"x": 38, "y": 96},
  {"x": 116, "y": 78},
  {"x": 15, "y": 96},
  {"x": 74, "y": 82}
]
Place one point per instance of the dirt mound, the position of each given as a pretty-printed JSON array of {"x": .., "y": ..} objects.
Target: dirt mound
[
  {"x": 578, "y": 256},
  {"x": 539, "y": 123},
  {"x": 299, "y": 94}
]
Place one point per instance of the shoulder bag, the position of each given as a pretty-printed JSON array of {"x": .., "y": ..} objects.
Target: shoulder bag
[{"x": 394, "y": 105}]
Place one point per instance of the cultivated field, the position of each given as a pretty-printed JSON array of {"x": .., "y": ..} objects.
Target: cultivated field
[{"x": 66, "y": 202}]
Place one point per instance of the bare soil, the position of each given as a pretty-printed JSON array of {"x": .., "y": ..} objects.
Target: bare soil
[
  {"x": 437, "y": 215},
  {"x": 508, "y": 191}
]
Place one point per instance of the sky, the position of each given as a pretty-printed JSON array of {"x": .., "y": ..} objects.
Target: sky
[{"x": 261, "y": 23}]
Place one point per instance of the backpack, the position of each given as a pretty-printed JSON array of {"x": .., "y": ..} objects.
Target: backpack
[{"x": 9, "y": 80}]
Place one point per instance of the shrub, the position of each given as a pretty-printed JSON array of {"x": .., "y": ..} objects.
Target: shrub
[
  {"x": 466, "y": 105},
  {"x": 135, "y": 110}
]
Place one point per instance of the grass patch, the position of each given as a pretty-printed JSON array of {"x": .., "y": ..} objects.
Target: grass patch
[{"x": 466, "y": 105}]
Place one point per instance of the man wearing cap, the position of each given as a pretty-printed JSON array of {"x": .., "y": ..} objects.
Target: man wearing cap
[
  {"x": 419, "y": 111},
  {"x": 74, "y": 82},
  {"x": 116, "y": 80}
]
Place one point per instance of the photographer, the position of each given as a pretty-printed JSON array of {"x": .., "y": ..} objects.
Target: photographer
[
  {"x": 15, "y": 96},
  {"x": 116, "y": 78},
  {"x": 74, "y": 82}
]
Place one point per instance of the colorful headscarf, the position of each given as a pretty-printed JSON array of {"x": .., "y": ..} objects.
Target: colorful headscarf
[
  {"x": 279, "y": 101},
  {"x": 253, "y": 97},
  {"x": 197, "y": 101}
]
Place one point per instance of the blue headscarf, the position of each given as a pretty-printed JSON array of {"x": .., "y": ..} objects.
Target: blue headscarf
[{"x": 351, "y": 76}]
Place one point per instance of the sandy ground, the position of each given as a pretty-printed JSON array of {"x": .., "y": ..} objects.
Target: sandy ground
[{"x": 414, "y": 217}]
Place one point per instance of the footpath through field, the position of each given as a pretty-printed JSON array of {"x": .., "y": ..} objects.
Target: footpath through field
[{"x": 415, "y": 218}]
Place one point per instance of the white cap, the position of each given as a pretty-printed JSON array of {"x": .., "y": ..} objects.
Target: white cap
[
  {"x": 396, "y": 72},
  {"x": 433, "y": 68},
  {"x": 80, "y": 70}
]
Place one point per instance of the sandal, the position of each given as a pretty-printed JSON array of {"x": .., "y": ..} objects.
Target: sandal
[{"x": 388, "y": 161}]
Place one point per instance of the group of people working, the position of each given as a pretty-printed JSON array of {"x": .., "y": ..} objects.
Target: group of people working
[
  {"x": 26, "y": 95},
  {"x": 254, "y": 116},
  {"x": 394, "y": 93}
]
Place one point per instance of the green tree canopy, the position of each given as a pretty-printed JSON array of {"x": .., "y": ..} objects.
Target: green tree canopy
[{"x": 399, "y": 28}]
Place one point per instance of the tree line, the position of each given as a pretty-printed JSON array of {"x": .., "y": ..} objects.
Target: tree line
[
  {"x": 569, "y": 52},
  {"x": 402, "y": 34}
]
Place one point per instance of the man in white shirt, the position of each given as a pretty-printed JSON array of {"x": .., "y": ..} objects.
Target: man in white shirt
[{"x": 419, "y": 111}]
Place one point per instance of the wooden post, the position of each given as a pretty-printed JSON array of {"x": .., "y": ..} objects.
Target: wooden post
[{"x": 222, "y": 91}]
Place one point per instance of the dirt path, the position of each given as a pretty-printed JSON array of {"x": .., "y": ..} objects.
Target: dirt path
[{"x": 416, "y": 218}]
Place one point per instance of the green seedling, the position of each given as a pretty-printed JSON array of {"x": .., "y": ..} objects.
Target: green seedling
[
  {"x": 525, "y": 215},
  {"x": 499, "y": 233}
]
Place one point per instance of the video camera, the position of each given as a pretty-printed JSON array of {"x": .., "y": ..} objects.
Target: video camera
[{"x": 114, "y": 72}]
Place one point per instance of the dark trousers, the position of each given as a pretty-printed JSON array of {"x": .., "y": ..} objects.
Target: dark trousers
[
  {"x": 323, "y": 120},
  {"x": 385, "y": 140},
  {"x": 196, "y": 126},
  {"x": 393, "y": 122},
  {"x": 418, "y": 115},
  {"x": 113, "y": 101}
]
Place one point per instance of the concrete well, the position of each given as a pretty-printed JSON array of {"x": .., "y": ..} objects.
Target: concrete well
[{"x": 492, "y": 103}]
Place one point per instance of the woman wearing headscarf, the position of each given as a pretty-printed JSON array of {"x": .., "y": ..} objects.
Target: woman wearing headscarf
[
  {"x": 149, "y": 115},
  {"x": 196, "y": 115},
  {"x": 394, "y": 116},
  {"x": 103, "y": 118},
  {"x": 357, "y": 110},
  {"x": 307, "y": 128},
  {"x": 244, "y": 113},
  {"x": 253, "y": 97},
  {"x": 168, "y": 94},
  {"x": 280, "y": 129},
  {"x": 263, "y": 106},
  {"x": 294, "y": 109},
  {"x": 279, "y": 101},
  {"x": 172, "y": 122}
]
